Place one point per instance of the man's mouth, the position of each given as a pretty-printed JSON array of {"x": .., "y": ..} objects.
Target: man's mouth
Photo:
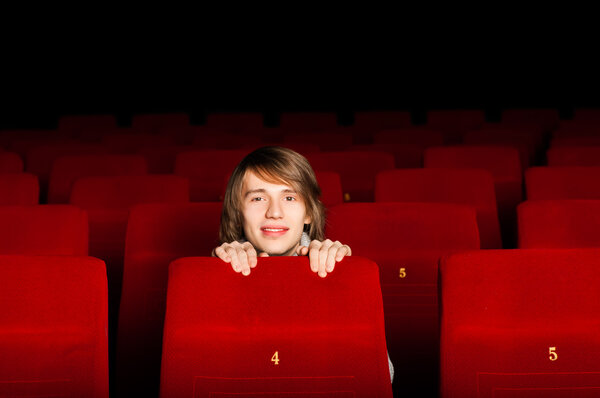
[{"x": 274, "y": 230}]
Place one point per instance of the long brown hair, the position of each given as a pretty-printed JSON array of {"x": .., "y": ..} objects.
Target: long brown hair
[{"x": 276, "y": 165}]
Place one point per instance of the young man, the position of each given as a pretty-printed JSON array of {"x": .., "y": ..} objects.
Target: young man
[{"x": 272, "y": 208}]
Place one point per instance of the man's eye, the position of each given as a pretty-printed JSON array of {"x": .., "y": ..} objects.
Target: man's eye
[
  {"x": 290, "y": 198},
  {"x": 257, "y": 199}
]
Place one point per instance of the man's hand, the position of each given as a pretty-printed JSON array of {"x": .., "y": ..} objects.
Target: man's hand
[
  {"x": 323, "y": 255},
  {"x": 242, "y": 256}
]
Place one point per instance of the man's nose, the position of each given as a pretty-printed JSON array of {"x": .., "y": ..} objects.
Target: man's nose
[{"x": 274, "y": 210}]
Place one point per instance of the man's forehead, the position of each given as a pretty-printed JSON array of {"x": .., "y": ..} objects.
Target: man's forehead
[{"x": 253, "y": 181}]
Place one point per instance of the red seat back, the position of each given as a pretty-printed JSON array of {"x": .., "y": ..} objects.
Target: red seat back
[
  {"x": 130, "y": 143},
  {"x": 53, "y": 324},
  {"x": 562, "y": 183},
  {"x": 300, "y": 332},
  {"x": 378, "y": 120},
  {"x": 412, "y": 136},
  {"x": 10, "y": 163},
  {"x": 239, "y": 121},
  {"x": 512, "y": 328},
  {"x": 19, "y": 189},
  {"x": 331, "y": 187},
  {"x": 81, "y": 123},
  {"x": 308, "y": 121},
  {"x": 43, "y": 230},
  {"x": 152, "y": 123},
  {"x": 574, "y": 156}
]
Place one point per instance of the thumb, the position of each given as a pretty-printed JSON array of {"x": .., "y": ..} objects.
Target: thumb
[
  {"x": 263, "y": 254},
  {"x": 302, "y": 250}
]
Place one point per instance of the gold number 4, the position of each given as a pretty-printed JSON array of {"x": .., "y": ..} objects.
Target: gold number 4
[
  {"x": 275, "y": 358},
  {"x": 402, "y": 273},
  {"x": 553, "y": 354}
]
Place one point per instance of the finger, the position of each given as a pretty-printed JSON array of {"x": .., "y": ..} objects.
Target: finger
[
  {"x": 342, "y": 252},
  {"x": 235, "y": 262},
  {"x": 313, "y": 255},
  {"x": 323, "y": 253},
  {"x": 331, "y": 256},
  {"x": 222, "y": 254},
  {"x": 302, "y": 250},
  {"x": 263, "y": 254},
  {"x": 243, "y": 258},
  {"x": 251, "y": 253}
]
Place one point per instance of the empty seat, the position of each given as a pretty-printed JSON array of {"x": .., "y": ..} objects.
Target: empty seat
[
  {"x": 225, "y": 140},
  {"x": 23, "y": 146},
  {"x": 548, "y": 118},
  {"x": 520, "y": 323},
  {"x": 43, "y": 230},
  {"x": 379, "y": 120},
  {"x": 8, "y": 136},
  {"x": 559, "y": 224},
  {"x": 474, "y": 187},
  {"x": 53, "y": 324},
  {"x": 67, "y": 169},
  {"x": 156, "y": 235},
  {"x": 356, "y": 169},
  {"x": 235, "y": 121},
  {"x": 331, "y": 188},
  {"x": 153, "y": 123},
  {"x": 130, "y": 143},
  {"x": 406, "y": 156},
  {"x": 76, "y": 124},
  {"x": 326, "y": 140},
  {"x": 19, "y": 189},
  {"x": 281, "y": 330},
  {"x": 10, "y": 163},
  {"x": 562, "y": 183},
  {"x": 207, "y": 171},
  {"x": 161, "y": 159},
  {"x": 308, "y": 121},
  {"x": 406, "y": 240},
  {"x": 574, "y": 156},
  {"x": 580, "y": 141},
  {"x": 587, "y": 115},
  {"x": 415, "y": 136},
  {"x": 504, "y": 164},
  {"x": 528, "y": 141},
  {"x": 455, "y": 122}
]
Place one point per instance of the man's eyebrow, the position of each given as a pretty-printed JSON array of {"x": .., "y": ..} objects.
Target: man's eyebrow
[{"x": 253, "y": 191}]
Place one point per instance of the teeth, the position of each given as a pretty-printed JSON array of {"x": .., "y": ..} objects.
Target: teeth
[{"x": 273, "y": 230}]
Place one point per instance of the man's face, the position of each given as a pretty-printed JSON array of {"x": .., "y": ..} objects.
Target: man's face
[{"x": 274, "y": 216}]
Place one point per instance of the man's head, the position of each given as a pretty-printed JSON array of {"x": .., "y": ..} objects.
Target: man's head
[{"x": 270, "y": 196}]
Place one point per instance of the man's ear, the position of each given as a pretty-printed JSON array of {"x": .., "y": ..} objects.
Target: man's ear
[{"x": 307, "y": 220}]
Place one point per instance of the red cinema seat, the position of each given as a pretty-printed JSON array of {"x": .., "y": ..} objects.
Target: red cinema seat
[
  {"x": 156, "y": 235},
  {"x": 548, "y": 183},
  {"x": 161, "y": 159},
  {"x": 473, "y": 187},
  {"x": 406, "y": 156},
  {"x": 308, "y": 121},
  {"x": 546, "y": 117},
  {"x": 415, "y": 136},
  {"x": 280, "y": 331},
  {"x": 10, "y": 163},
  {"x": 455, "y": 122},
  {"x": 504, "y": 164},
  {"x": 76, "y": 124},
  {"x": 235, "y": 121},
  {"x": 559, "y": 224},
  {"x": 406, "y": 240},
  {"x": 578, "y": 141},
  {"x": 225, "y": 140},
  {"x": 43, "y": 230},
  {"x": 23, "y": 146},
  {"x": 67, "y": 169},
  {"x": 587, "y": 115},
  {"x": 573, "y": 156},
  {"x": 107, "y": 201},
  {"x": 153, "y": 123},
  {"x": 208, "y": 171},
  {"x": 356, "y": 169},
  {"x": 19, "y": 189},
  {"x": 520, "y": 323},
  {"x": 379, "y": 120},
  {"x": 130, "y": 143},
  {"x": 331, "y": 188},
  {"x": 528, "y": 142},
  {"x": 8, "y": 136},
  {"x": 326, "y": 140},
  {"x": 53, "y": 324}
]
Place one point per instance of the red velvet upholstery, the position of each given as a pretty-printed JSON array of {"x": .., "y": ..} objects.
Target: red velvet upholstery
[
  {"x": 406, "y": 240},
  {"x": 152, "y": 123},
  {"x": 67, "y": 169},
  {"x": 377, "y": 120},
  {"x": 520, "y": 323},
  {"x": 208, "y": 171},
  {"x": 10, "y": 163},
  {"x": 278, "y": 332},
  {"x": 356, "y": 169},
  {"x": 580, "y": 141},
  {"x": 53, "y": 324},
  {"x": 130, "y": 143},
  {"x": 587, "y": 114},
  {"x": 406, "y": 156},
  {"x": 546, "y": 117},
  {"x": 22, "y": 146},
  {"x": 334, "y": 140},
  {"x": 235, "y": 122},
  {"x": 527, "y": 141},
  {"x": 331, "y": 188},
  {"x": 43, "y": 230},
  {"x": 455, "y": 122},
  {"x": 559, "y": 224},
  {"x": 502, "y": 162},
  {"x": 574, "y": 156},
  {"x": 563, "y": 183},
  {"x": 308, "y": 121},
  {"x": 156, "y": 235},
  {"x": 474, "y": 187},
  {"x": 226, "y": 140},
  {"x": 80, "y": 123},
  {"x": 8, "y": 136},
  {"x": 409, "y": 135},
  {"x": 19, "y": 189},
  {"x": 161, "y": 159}
]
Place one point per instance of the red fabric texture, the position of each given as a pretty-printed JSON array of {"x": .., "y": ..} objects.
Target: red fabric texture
[
  {"x": 581, "y": 141},
  {"x": 559, "y": 224},
  {"x": 378, "y": 120},
  {"x": 10, "y": 163},
  {"x": 80, "y": 123},
  {"x": 67, "y": 169},
  {"x": 327, "y": 140},
  {"x": 356, "y": 169},
  {"x": 308, "y": 121},
  {"x": 54, "y": 327},
  {"x": 409, "y": 135},
  {"x": 574, "y": 156},
  {"x": 331, "y": 187},
  {"x": 527, "y": 141},
  {"x": 455, "y": 122},
  {"x": 19, "y": 189},
  {"x": 234, "y": 122},
  {"x": 153, "y": 123},
  {"x": 473, "y": 187},
  {"x": 156, "y": 235},
  {"x": 406, "y": 240},
  {"x": 504, "y": 314},
  {"x": 130, "y": 143},
  {"x": 223, "y": 330},
  {"x": 161, "y": 159},
  {"x": 546, "y": 183},
  {"x": 226, "y": 140},
  {"x": 43, "y": 230},
  {"x": 406, "y": 156},
  {"x": 208, "y": 171},
  {"x": 546, "y": 117}
]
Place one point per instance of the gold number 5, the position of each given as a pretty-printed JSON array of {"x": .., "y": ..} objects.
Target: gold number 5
[
  {"x": 402, "y": 273},
  {"x": 553, "y": 354}
]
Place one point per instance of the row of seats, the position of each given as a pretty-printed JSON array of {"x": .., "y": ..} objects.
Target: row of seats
[{"x": 509, "y": 327}]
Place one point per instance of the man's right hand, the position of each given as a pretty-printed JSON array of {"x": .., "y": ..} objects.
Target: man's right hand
[{"x": 242, "y": 256}]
